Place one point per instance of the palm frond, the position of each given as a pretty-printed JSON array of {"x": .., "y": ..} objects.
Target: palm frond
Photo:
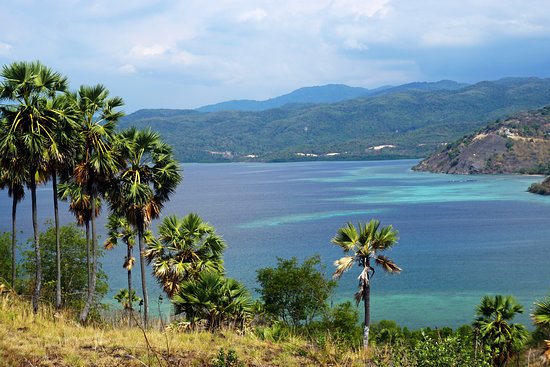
[
  {"x": 387, "y": 264},
  {"x": 346, "y": 237},
  {"x": 342, "y": 265},
  {"x": 541, "y": 313}
]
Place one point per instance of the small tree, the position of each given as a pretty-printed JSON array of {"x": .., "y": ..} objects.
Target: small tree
[
  {"x": 123, "y": 297},
  {"x": 499, "y": 336},
  {"x": 541, "y": 319},
  {"x": 295, "y": 293},
  {"x": 74, "y": 271}
]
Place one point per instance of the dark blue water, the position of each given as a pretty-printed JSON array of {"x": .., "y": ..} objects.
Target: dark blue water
[{"x": 460, "y": 236}]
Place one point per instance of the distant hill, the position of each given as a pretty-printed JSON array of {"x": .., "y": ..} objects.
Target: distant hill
[
  {"x": 406, "y": 124},
  {"x": 519, "y": 144},
  {"x": 330, "y": 93}
]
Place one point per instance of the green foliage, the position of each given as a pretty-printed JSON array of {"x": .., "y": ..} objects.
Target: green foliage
[
  {"x": 276, "y": 331},
  {"x": 386, "y": 332},
  {"x": 501, "y": 339},
  {"x": 341, "y": 322},
  {"x": 73, "y": 266},
  {"x": 541, "y": 320},
  {"x": 227, "y": 359},
  {"x": 400, "y": 347},
  {"x": 185, "y": 247},
  {"x": 5, "y": 257},
  {"x": 123, "y": 297},
  {"x": 215, "y": 300},
  {"x": 295, "y": 293},
  {"x": 450, "y": 351}
]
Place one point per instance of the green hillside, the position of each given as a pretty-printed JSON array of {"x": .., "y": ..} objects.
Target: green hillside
[
  {"x": 398, "y": 125},
  {"x": 518, "y": 144}
]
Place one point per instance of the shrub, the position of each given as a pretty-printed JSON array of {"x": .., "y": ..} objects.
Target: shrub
[{"x": 295, "y": 293}]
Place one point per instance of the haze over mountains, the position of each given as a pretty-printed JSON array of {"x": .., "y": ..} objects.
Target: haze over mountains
[
  {"x": 330, "y": 93},
  {"x": 341, "y": 122}
]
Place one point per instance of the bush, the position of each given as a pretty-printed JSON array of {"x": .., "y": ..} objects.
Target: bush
[
  {"x": 295, "y": 293},
  {"x": 229, "y": 359},
  {"x": 74, "y": 273},
  {"x": 5, "y": 259}
]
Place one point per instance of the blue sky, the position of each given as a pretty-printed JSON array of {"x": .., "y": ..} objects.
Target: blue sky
[{"x": 185, "y": 54}]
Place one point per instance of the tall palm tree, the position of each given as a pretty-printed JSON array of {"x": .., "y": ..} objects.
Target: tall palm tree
[
  {"x": 13, "y": 177},
  {"x": 502, "y": 338},
  {"x": 81, "y": 207},
  {"x": 28, "y": 87},
  {"x": 365, "y": 242},
  {"x": 99, "y": 160},
  {"x": 144, "y": 184},
  {"x": 60, "y": 156},
  {"x": 185, "y": 247},
  {"x": 118, "y": 227},
  {"x": 541, "y": 319}
]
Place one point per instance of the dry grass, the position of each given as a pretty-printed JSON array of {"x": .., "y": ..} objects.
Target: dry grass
[{"x": 50, "y": 339}]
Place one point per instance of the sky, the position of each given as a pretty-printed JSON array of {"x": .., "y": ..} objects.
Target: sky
[{"x": 188, "y": 53}]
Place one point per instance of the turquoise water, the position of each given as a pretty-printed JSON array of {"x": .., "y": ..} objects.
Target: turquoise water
[{"x": 460, "y": 236}]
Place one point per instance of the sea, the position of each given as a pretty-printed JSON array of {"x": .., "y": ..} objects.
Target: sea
[{"x": 460, "y": 237}]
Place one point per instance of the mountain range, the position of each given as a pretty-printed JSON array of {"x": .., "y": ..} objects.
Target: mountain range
[
  {"x": 330, "y": 93},
  {"x": 407, "y": 121}
]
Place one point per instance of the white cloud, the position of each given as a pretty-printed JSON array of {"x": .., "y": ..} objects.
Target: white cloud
[
  {"x": 256, "y": 15},
  {"x": 128, "y": 69},
  {"x": 5, "y": 49},
  {"x": 259, "y": 48},
  {"x": 148, "y": 51}
]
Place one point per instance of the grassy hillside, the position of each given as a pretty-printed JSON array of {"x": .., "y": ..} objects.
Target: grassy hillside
[
  {"x": 52, "y": 339},
  {"x": 404, "y": 124}
]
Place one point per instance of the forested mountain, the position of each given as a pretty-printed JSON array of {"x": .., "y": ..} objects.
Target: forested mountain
[
  {"x": 519, "y": 144},
  {"x": 410, "y": 123},
  {"x": 330, "y": 93}
]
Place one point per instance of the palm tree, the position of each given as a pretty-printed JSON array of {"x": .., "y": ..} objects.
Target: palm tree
[
  {"x": 59, "y": 156},
  {"x": 118, "y": 227},
  {"x": 28, "y": 87},
  {"x": 13, "y": 177},
  {"x": 215, "y": 299},
  {"x": 98, "y": 161},
  {"x": 185, "y": 247},
  {"x": 365, "y": 242},
  {"x": 502, "y": 338},
  {"x": 143, "y": 185},
  {"x": 80, "y": 205},
  {"x": 541, "y": 319}
]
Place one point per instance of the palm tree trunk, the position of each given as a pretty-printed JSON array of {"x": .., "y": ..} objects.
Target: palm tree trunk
[
  {"x": 13, "y": 240},
  {"x": 366, "y": 303},
  {"x": 130, "y": 298},
  {"x": 57, "y": 241},
  {"x": 143, "y": 274},
  {"x": 37, "y": 259},
  {"x": 93, "y": 276},
  {"x": 88, "y": 252}
]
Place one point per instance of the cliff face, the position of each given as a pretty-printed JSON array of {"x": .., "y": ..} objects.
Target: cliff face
[{"x": 519, "y": 144}]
